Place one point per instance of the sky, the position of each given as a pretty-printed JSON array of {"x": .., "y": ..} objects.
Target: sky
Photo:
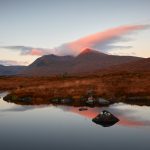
[{"x": 32, "y": 28}]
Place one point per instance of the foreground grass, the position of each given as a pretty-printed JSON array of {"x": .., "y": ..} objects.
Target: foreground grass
[{"x": 130, "y": 87}]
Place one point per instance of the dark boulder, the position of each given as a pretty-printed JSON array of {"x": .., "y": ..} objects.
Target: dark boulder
[{"x": 105, "y": 119}]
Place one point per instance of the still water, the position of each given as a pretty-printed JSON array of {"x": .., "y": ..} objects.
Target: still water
[{"x": 48, "y": 127}]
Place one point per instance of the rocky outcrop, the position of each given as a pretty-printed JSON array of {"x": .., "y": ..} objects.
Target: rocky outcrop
[{"x": 105, "y": 119}]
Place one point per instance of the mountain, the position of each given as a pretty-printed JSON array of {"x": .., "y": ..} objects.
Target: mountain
[
  {"x": 87, "y": 61},
  {"x": 140, "y": 65},
  {"x": 136, "y": 66},
  {"x": 50, "y": 65},
  {"x": 91, "y": 60},
  {"x": 10, "y": 70}
]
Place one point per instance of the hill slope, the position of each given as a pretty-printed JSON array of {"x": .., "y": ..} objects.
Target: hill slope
[{"x": 142, "y": 65}]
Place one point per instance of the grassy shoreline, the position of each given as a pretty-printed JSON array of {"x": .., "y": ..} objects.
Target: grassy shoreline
[{"x": 128, "y": 87}]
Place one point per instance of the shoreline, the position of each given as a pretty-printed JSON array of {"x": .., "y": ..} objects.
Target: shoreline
[
  {"x": 79, "y": 101},
  {"x": 127, "y": 87}
]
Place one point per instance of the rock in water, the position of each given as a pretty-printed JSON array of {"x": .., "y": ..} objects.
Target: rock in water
[{"x": 105, "y": 119}]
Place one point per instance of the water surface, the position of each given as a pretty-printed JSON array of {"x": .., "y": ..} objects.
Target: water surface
[{"x": 66, "y": 128}]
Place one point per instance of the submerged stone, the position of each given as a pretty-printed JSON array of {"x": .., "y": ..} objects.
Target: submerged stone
[{"x": 105, "y": 119}]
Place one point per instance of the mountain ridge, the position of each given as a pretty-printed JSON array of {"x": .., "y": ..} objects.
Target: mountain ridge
[{"x": 87, "y": 61}]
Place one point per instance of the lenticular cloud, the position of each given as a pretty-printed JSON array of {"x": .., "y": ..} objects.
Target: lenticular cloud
[
  {"x": 101, "y": 40},
  {"x": 104, "y": 41}
]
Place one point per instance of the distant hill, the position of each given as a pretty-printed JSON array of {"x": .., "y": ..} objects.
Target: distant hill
[
  {"x": 49, "y": 65},
  {"x": 139, "y": 65},
  {"x": 87, "y": 61},
  {"x": 10, "y": 70}
]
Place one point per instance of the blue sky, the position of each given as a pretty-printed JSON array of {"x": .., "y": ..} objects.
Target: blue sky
[{"x": 51, "y": 23}]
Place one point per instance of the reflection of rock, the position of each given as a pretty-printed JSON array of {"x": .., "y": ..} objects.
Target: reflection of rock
[
  {"x": 26, "y": 99},
  {"x": 82, "y": 109},
  {"x": 55, "y": 100},
  {"x": 66, "y": 101},
  {"x": 105, "y": 119},
  {"x": 102, "y": 101},
  {"x": 16, "y": 99},
  {"x": 61, "y": 101}
]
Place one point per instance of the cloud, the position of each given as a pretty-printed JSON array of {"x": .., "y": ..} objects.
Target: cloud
[
  {"x": 104, "y": 41},
  {"x": 25, "y": 50},
  {"x": 12, "y": 63}
]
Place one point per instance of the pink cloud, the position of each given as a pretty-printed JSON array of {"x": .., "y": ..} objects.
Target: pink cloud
[
  {"x": 37, "y": 52},
  {"x": 101, "y": 40}
]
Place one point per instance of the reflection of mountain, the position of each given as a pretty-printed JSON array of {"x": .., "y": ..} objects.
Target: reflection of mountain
[{"x": 126, "y": 117}]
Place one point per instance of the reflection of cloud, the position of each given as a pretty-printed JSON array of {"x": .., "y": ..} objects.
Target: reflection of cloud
[
  {"x": 90, "y": 113},
  {"x": 18, "y": 108},
  {"x": 1, "y": 42},
  {"x": 130, "y": 116},
  {"x": 23, "y": 108}
]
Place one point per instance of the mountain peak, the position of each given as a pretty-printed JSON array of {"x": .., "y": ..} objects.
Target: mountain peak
[{"x": 88, "y": 51}]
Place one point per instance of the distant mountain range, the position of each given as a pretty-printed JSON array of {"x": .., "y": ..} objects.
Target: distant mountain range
[
  {"x": 10, "y": 70},
  {"x": 87, "y": 61}
]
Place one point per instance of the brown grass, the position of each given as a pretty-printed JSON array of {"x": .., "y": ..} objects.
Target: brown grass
[{"x": 117, "y": 86}]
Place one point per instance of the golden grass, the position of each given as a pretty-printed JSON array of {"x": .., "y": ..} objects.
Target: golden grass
[{"x": 116, "y": 86}]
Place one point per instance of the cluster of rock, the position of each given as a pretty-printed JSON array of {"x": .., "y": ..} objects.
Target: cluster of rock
[
  {"x": 61, "y": 101},
  {"x": 99, "y": 101},
  {"x": 89, "y": 101},
  {"x": 13, "y": 98}
]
